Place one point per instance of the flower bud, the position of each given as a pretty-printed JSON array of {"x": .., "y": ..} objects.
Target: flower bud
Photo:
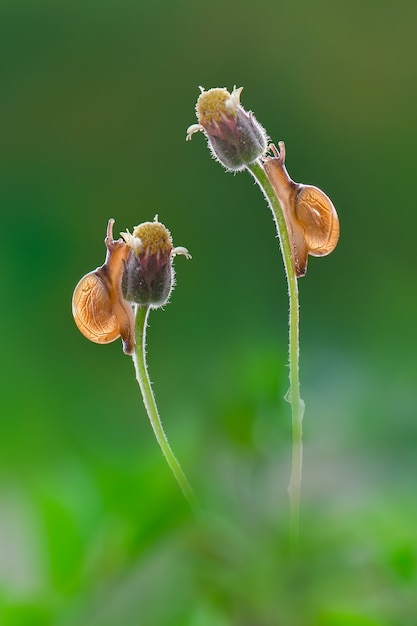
[
  {"x": 234, "y": 136},
  {"x": 148, "y": 275}
]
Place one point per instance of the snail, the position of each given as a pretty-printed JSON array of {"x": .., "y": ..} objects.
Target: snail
[
  {"x": 312, "y": 222},
  {"x": 99, "y": 309}
]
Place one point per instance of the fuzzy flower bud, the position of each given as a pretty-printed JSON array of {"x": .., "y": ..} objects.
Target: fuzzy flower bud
[
  {"x": 148, "y": 276},
  {"x": 234, "y": 136}
]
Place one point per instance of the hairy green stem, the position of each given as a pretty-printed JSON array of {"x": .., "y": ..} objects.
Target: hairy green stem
[
  {"x": 293, "y": 396},
  {"x": 142, "y": 376}
]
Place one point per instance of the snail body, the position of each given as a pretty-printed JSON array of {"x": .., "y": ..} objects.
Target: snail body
[
  {"x": 100, "y": 312},
  {"x": 311, "y": 219}
]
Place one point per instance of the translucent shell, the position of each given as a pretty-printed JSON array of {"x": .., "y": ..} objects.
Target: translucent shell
[
  {"x": 93, "y": 309},
  {"x": 98, "y": 307},
  {"x": 311, "y": 219},
  {"x": 317, "y": 215}
]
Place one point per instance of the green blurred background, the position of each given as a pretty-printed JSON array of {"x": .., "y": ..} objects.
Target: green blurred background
[{"x": 94, "y": 104}]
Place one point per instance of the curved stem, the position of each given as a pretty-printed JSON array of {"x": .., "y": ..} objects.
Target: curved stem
[
  {"x": 293, "y": 395},
  {"x": 142, "y": 376}
]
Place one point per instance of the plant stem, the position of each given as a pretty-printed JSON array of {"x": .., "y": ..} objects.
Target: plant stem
[
  {"x": 293, "y": 395},
  {"x": 142, "y": 376}
]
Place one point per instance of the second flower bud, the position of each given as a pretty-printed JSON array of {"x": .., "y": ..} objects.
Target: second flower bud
[
  {"x": 148, "y": 276},
  {"x": 235, "y": 137}
]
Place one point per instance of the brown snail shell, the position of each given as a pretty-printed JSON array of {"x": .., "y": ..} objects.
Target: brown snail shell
[
  {"x": 312, "y": 221},
  {"x": 99, "y": 309}
]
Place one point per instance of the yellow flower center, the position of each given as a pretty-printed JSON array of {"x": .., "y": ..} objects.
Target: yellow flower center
[
  {"x": 154, "y": 237},
  {"x": 215, "y": 104}
]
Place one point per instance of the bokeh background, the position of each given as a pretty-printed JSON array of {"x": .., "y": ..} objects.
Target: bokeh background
[{"x": 94, "y": 104}]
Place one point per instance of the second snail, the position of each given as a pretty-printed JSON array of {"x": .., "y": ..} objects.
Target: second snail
[{"x": 312, "y": 221}]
